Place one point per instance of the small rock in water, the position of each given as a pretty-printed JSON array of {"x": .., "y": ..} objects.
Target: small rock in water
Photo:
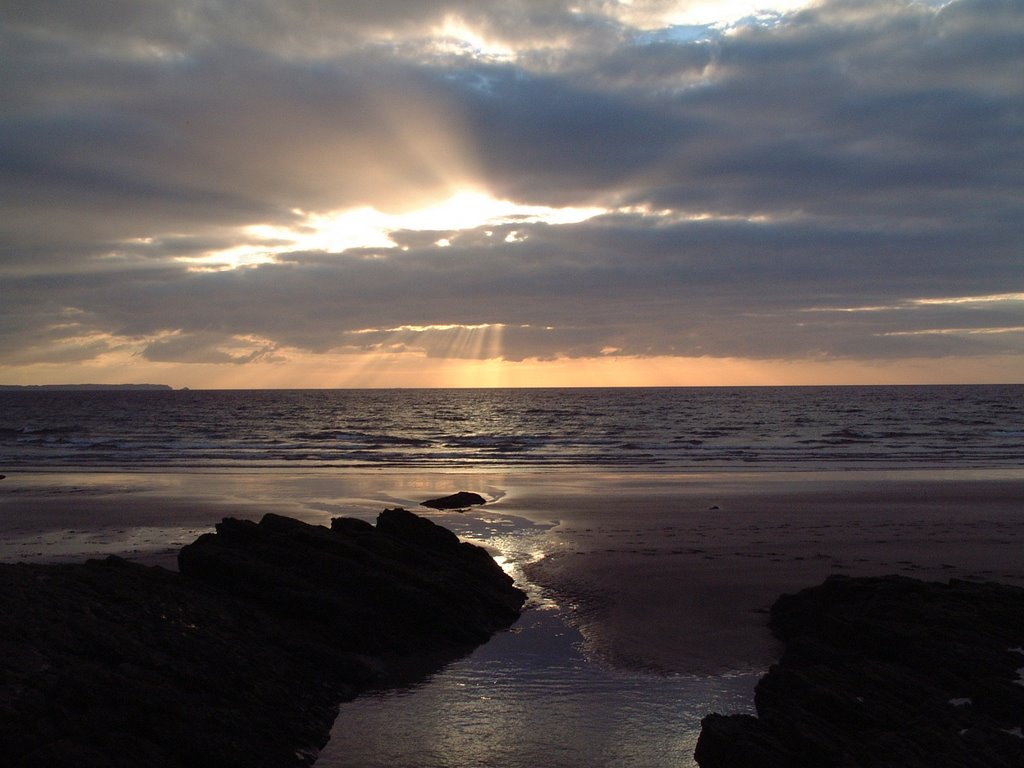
[{"x": 459, "y": 500}]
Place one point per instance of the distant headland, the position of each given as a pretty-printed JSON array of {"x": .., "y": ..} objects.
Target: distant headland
[{"x": 86, "y": 387}]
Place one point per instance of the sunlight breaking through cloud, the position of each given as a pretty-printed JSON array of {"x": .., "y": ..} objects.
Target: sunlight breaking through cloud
[
  {"x": 368, "y": 227},
  {"x": 455, "y": 36},
  {"x": 948, "y": 301},
  {"x": 957, "y": 331},
  {"x": 450, "y": 341},
  {"x": 990, "y": 299},
  {"x": 727, "y": 12}
]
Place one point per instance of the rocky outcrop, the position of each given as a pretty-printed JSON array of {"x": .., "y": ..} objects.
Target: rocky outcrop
[
  {"x": 460, "y": 500},
  {"x": 395, "y": 588},
  {"x": 885, "y": 672},
  {"x": 243, "y": 657}
]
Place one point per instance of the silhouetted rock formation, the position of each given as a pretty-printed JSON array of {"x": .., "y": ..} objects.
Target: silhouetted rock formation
[
  {"x": 885, "y": 672},
  {"x": 240, "y": 660},
  {"x": 459, "y": 500},
  {"x": 395, "y": 588}
]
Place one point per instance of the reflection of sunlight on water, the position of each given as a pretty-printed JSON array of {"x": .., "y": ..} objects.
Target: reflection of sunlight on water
[
  {"x": 530, "y": 696},
  {"x": 513, "y": 552}
]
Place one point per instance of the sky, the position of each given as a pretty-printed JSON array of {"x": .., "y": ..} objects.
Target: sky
[{"x": 305, "y": 193}]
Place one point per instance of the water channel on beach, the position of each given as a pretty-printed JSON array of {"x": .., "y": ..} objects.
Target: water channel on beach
[{"x": 531, "y": 696}]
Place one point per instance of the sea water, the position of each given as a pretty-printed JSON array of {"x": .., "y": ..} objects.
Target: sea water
[{"x": 673, "y": 428}]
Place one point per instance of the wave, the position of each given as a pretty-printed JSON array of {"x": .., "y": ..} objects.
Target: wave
[{"x": 674, "y": 428}]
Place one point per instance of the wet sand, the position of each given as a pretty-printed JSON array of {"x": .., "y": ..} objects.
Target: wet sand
[
  {"x": 678, "y": 577},
  {"x": 669, "y": 573}
]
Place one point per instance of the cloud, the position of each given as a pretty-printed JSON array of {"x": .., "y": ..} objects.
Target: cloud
[
  {"x": 760, "y": 177},
  {"x": 207, "y": 347},
  {"x": 635, "y": 283}
]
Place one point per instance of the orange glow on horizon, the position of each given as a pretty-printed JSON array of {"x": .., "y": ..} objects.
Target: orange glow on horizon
[{"x": 298, "y": 370}]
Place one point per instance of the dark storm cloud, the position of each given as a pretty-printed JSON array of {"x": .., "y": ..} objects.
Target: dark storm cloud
[{"x": 851, "y": 156}]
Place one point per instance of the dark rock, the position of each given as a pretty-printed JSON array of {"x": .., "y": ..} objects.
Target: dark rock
[
  {"x": 352, "y": 526},
  {"x": 243, "y": 658},
  {"x": 459, "y": 500},
  {"x": 872, "y": 674},
  {"x": 740, "y": 741},
  {"x": 357, "y": 587}
]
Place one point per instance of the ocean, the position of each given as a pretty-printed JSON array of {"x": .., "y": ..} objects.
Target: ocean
[
  {"x": 705, "y": 429},
  {"x": 662, "y": 523}
]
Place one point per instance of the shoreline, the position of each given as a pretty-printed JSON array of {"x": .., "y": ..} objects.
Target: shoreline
[{"x": 671, "y": 572}]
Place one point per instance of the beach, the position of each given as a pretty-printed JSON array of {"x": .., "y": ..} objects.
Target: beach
[
  {"x": 676, "y": 575},
  {"x": 648, "y": 591},
  {"x": 659, "y": 571}
]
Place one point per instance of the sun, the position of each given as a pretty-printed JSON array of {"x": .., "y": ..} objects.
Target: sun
[{"x": 336, "y": 231}]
